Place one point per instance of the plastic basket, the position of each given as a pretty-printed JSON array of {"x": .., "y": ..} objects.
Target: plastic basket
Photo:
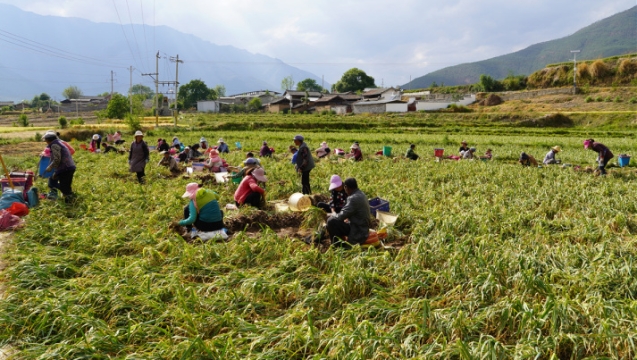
[
  {"x": 387, "y": 150},
  {"x": 44, "y": 163},
  {"x": 439, "y": 152},
  {"x": 237, "y": 180},
  {"x": 623, "y": 161},
  {"x": 197, "y": 166},
  {"x": 238, "y": 145},
  {"x": 378, "y": 204}
]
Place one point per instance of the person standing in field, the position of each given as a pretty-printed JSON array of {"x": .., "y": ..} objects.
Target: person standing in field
[
  {"x": 411, "y": 154},
  {"x": 304, "y": 163},
  {"x": 550, "y": 156},
  {"x": 357, "y": 212},
  {"x": 603, "y": 154},
  {"x": 64, "y": 166},
  {"x": 138, "y": 156}
]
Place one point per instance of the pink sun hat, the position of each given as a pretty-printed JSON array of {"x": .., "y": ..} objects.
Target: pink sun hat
[
  {"x": 191, "y": 191},
  {"x": 587, "y": 143},
  {"x": 214, "y": 155},
  {"x": 335, "y": 182}
]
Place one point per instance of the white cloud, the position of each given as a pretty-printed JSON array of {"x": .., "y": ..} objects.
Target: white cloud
[{"x": 391, "y": 41}]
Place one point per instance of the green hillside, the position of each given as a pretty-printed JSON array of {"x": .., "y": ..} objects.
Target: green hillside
[{"x": 608, "y": 37}]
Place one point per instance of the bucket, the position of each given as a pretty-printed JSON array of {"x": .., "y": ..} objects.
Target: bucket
[
  {"x": 299, "y": 202},
  {"x": 238, "y": 145},
  {"x": 83, "y": 146},
  {"x": 439, "y": 152},
  {"x": 237, "y": 180},
  {"x": 386, "y": 218},
  {"x": 219, "y": 177},
  {"x": 387, "y": 150},
  {"x": 623, "y": 161},
  {"x": 44, "y": 163}
]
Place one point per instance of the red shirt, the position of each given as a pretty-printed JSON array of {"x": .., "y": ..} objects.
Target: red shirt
[{"x": 248, "y": 185}]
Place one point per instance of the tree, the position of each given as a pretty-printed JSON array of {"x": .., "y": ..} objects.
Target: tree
[
  {"x": 254, "y": 105},
  {"x": 139, "y": 89},
  {"x": 195, "y": 90},
  {"x": 308, "y": 85},
  {"x": 354, "y": 79},
  {"x": 72, "y": 92},
  {"x": 287, "y": 83},
  {"x": 118, "y": 107},
  {"x": 40, "y": 101},
  {"x": 220, "y": 90}
]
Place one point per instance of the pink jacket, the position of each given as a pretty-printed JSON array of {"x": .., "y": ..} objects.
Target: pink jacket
[{"x": 248, "y": 185}]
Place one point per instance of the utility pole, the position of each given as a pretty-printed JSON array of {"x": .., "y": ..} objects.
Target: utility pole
[
  {"x": 130, "y": 90},
  {"x": 177, "y": 61},
  {"x": 575, "y": 52},
  {"x": 111, "y": 84},
  {"x": 156, "y": 78}
]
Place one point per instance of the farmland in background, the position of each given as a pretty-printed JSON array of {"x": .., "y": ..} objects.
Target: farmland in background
[{"x": 494, "y": 260}]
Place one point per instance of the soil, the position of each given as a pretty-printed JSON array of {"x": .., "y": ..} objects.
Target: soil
[{"x": 22, "y": 149}]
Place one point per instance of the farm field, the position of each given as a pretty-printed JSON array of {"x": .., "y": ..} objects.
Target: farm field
[{"x": 488, "y": 260}]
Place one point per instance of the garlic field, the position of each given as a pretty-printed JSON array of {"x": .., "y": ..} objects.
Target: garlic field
[{"x": 496, "y": 261}]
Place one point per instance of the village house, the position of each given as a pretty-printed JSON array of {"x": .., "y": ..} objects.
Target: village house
[
  {"x": 6, "y": 103},
  {"x": 379, "y": 106},
  {"x": 341, "y": 104},
  {"x": 381, "y": 94}
]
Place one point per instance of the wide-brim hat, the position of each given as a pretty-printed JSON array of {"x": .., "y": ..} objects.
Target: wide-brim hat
[
  {"x": 138, "y": 133},
  {"x": 354, "y": 146},
  {"x": 191, "y": 190},
  {"x": 96, "y": 137},
  {"x": 220, "y": 141},
  {"x": 556, "y": 148},
  {"x": 335, "y": 182},
  {"x": 259, "y": 174},
  {"x": 163, "y": 152}
]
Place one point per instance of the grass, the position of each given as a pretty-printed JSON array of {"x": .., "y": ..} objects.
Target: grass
[{"x": 501, "y": 261}]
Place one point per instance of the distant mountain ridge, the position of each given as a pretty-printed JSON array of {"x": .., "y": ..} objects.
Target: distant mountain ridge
[
  {"x": 27, "y": 72},
  {"x": 615, "y": 35}
]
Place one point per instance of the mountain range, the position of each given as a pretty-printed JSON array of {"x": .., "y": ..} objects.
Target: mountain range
[
  {"x": 615, "y": 35},
  {"x": 49, "y": 53}
]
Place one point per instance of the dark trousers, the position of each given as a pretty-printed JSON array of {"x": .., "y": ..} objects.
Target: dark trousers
[
  {"x": 202, "y": 225},
  {"x": 254, "y": 199},
  {"x": 140, "y": 176},
  {"x": 305, "y": 181},
  {"x": 602, "y": 166},
  {"x": 338, "y": 230},
  {"x": 63, "y": 182},
  {"x": 327, "y": 208}
]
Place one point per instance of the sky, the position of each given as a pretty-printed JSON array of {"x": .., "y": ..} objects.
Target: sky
[{"x": 390, "y": 41}]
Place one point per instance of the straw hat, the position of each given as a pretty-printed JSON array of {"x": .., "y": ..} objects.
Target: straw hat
[
  {"x": 220, "y": 141},
  {"x": 139, "y": 133},
  {"x": 96, "y": 137},
  {"x": 463, "y": 142},
  {"x": 556, "y": 148},
  {"x": 354, "y": 146}
]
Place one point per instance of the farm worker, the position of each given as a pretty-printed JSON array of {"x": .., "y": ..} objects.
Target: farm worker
[
  {"x": 68, "y": 146},
  {"x": 194, "y": 151},
  {"x": 138, "y": 156},
  {"x": 176, "y": 141},
  {"x": 411, "y": 154},
  {"x": 248, "y": 164},
  {"x": 550, "y": 156},
  {"x": 185, "y": 155},
  {"x": 117, "y": 138},
  {"x": 203, "y": 143},
  {"x": 355, "y": 152},
  {"x": 222, "y": 147},
  {"x": 487, "y": 155},
  {"x": 339, "y": 196},
  {"x": 108, "y": 148},
  {"x": 162, "y": 145},
  {"x": 214, "y": 162},
  {"x": 203, "y": 210},
  {"x": 356, "y": 210},
  {"x": 603, "y": 153},
  {"x": 62, "y": 162},
  {"x": 265, "y": 150},
  {"x": 249, "y": 192},
  {"x": 323, "y": 151},
  {"x": 304, "y": 163},
  {"x": 94, "y": 145},
  {"x": 294, "y": 151},
  {"x": 169, "y": 162},
  {"x": 251, "y": 156},
  {"x": 468, "y": 155},
  {"x": 463, "y": 147},
  {"x": 527, "y": 160}
]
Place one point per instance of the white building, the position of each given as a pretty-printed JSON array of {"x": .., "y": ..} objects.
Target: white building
[{"x": 208, "y": 106}]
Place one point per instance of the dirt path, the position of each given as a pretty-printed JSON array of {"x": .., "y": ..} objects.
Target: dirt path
[{"x": 7, "y": 351}]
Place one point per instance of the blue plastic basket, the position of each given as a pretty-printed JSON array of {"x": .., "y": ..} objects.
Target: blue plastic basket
[
  {"x": 378, "y": 204},
  {"x": 623, "y": 161},
  {"x": 44, "y": 163}
]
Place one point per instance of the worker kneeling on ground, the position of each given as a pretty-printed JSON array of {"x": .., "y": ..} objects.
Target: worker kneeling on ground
[
  {"x": 351, "y": 225},
  {"x": 203, "y": 210},
  {"x": 550, "y": 156}
]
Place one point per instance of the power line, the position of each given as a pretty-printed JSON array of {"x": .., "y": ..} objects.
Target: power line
[
  {"x": 141, "y": 3},
  {"x": 126, "y": 37},
  {"x": 130, "y": 18}
]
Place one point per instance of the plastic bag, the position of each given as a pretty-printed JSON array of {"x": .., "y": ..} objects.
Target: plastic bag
[
  {"x": 18, "y": 209},
  {"x": 217, "y": 235},
  {"x": 9, "y": 221}
]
